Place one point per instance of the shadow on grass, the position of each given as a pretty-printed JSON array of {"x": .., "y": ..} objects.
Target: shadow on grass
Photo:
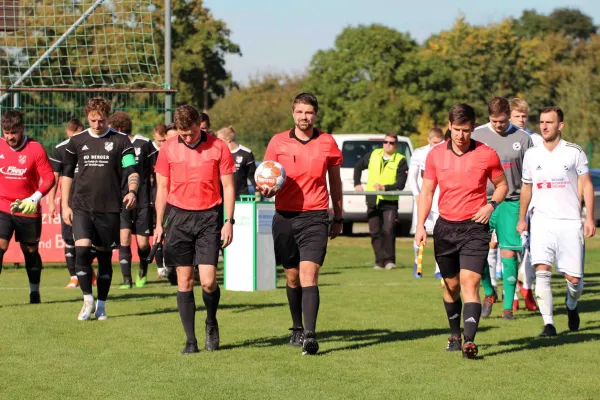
[
  {"x": 351, "y": 339},
  {"x": 237, "y": 308},
  {"x": 541, "y": 343}
]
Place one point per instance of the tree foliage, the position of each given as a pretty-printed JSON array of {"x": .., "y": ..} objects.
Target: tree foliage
[{"x": 258, "y": 110}]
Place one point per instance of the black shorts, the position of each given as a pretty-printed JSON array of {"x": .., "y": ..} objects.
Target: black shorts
[
  {"x": 138, "y": 221},
  {"x": 27, "y": 230},
  {"x": 65, "y": 230},
  {"x": 300, "y": 236},
  {"x": 101, "y": 228},
  {"x": 460, "y": 245},
  {"x": 192, "y": 237}
]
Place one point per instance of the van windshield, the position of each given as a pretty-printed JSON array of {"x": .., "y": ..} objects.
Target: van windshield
[{"x": 354, "y": 150}]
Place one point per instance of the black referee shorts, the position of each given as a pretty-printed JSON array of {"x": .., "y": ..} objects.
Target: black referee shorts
[
  {"x": 27, "y": 230},
  {"x": 139, "y": 221},
  {"x": 101, "y": 228},
  {"x": 192, "y": 237},
  {"x": 300, "y": 236},
  {"x": 461, "y": 245}
]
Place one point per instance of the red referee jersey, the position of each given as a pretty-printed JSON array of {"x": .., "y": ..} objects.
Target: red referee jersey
[
  {"x": 23, "y": 172},
  {"x": 462, "y": 179},
  {"x": 194, "y": 172},
  {"x": 305, "y": 165}
]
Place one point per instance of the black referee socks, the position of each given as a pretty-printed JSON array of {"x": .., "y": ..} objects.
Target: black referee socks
[
  {"x": 187, "y": 312},
  {"x": 471, "y": 312},
  {"x": 294, "y": 296},
  {"x": 453, "y": 311},
  {"x": 1, "y": 258},
  {"x": 310, "y": 307},
  {"x": 211, "y": 301},
  {"x": 83, "y": 268}
]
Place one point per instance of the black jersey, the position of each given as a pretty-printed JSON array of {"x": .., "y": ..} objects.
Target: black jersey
[
  {"x": 153, "y": 189},
  {"x": 58, "y": 157},
  {"x": 97, "y": 182},
  {"x": 145, "y": 158},
  {"x": 244, "y": 170}
]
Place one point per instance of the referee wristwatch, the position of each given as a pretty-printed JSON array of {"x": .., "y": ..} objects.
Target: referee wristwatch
[
  {"x": 338, "y": 220},
  {"x": 134, "y": 193},
  {"x": 231, "y": 220},
  {"x": 494, "y": 204}
]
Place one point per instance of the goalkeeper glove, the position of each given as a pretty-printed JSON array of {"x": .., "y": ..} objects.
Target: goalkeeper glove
[{"x": 28, "y": 205}]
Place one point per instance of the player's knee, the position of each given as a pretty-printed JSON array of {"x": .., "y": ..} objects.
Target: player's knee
[
  {"x": 29, "y": 248},
  {"x": 293, "y": 282},
  {"x": 209, "y": 285}
]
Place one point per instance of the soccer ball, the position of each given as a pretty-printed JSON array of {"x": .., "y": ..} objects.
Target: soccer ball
[{"x": 269, "y": 174}]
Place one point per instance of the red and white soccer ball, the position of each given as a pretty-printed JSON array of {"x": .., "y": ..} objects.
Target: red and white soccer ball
[{"x": 269, "y": 174}]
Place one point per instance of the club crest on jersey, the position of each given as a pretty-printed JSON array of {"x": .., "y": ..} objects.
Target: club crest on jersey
[
  {"x": 137, "y": 151},
  {"x": 108, "y": 146},
  {"x": 22, "y": 159},
  {"x": 516, "y": 146},
  {"x": 239, "y": 159}
]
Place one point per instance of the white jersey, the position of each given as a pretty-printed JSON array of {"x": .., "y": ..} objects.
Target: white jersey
[
  {"x": 553, "y": 176},
  {"x": 417, "y": 161},
  {"x": 537, "y": 139}
]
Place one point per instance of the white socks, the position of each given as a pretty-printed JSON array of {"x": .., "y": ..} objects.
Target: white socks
[
  {"x": 89, "y": 298},
  {"x": 543, "y": 294},
  {"x": 492, "y": 260},
  {"x": 528, "y": 272},
  {"x": 573, "y": 293}
]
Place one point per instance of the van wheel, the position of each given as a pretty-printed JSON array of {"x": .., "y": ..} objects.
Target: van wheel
[{"x": 347, "y": 228}]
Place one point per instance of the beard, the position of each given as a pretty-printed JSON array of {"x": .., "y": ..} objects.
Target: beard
[{"x": 304, "y": 125}]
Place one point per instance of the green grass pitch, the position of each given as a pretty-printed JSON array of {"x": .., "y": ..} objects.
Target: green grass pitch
[{"x": 382, "y": 335}]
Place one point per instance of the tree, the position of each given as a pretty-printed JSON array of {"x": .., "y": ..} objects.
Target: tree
[
  {"x": 199, "y": 45},
  {"x": 258, "y": 110},
  {"x": 357, "y": 84},
  {"x": 569, "y": 22}
]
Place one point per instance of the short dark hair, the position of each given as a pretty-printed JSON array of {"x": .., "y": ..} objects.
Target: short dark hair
[
  {"x": 498, "y": 106},
  {"x": 11, "y": 120},
  {"x": 160, "y": 130},
  {"x": 392, "y": 134},
  {"x": 557, "y": 110},
  {"x": 170, "y": 127},
  {"x": 306, "y": 98},
  {"x": 435, "y": 132},
  {"x": 461, "y": 114},
  {"x": 205, "y": 117},
  {"x": 185, "y": 117},
  {"x": 75, "y": 125},
  {"x": 121, "y": 121},
  {"x": 98, "y": 105}
]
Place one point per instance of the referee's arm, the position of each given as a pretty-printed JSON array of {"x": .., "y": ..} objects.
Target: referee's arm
[
  {"x": 162, "y": 191},
  {"x": 229, "y": 203}
]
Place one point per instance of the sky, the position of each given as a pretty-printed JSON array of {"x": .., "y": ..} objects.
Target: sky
[{"x": 281, "y": 35}]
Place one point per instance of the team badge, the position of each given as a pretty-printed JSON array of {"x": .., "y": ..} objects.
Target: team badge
[
  {"x": 108, "y": 146},
  {"x": 137, "y": 151},
  {"x": 239, "y": 159},
  {"x": 22, "y": 159},
  {"x": 516, "y": 146}
]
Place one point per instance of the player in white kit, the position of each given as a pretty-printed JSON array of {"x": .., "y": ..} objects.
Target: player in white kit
[
  {"x": 415, "y": 180},
  {"x": 519, "y": 115},
  {"x": 552, "y": 174}
]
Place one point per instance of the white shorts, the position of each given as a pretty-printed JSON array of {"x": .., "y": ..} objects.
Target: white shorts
[
  {"x": 558, "y": 241},
  {"x": 429, "y": 222}
]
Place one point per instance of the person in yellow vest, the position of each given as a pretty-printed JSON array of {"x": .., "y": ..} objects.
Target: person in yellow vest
[{"x": 387, "y": 171}]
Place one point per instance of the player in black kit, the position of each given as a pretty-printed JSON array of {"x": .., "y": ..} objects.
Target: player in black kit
[
  {"x": 245, "y": 166},
  {"x": 137, "y": 221},
  {"x": 103, "y": 157}
]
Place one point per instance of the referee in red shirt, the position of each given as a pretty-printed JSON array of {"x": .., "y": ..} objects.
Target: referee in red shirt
[
  {"x": 301, "y": 222},
  {"x": 461, "y": 235},
  {"x": 189, "y": 169}
]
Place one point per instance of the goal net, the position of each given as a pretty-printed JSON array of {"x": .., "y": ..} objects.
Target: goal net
[{"x": 77, "y": 43}]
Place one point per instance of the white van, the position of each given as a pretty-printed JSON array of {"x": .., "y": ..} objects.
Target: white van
[{"x": 354, "y": 147}]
